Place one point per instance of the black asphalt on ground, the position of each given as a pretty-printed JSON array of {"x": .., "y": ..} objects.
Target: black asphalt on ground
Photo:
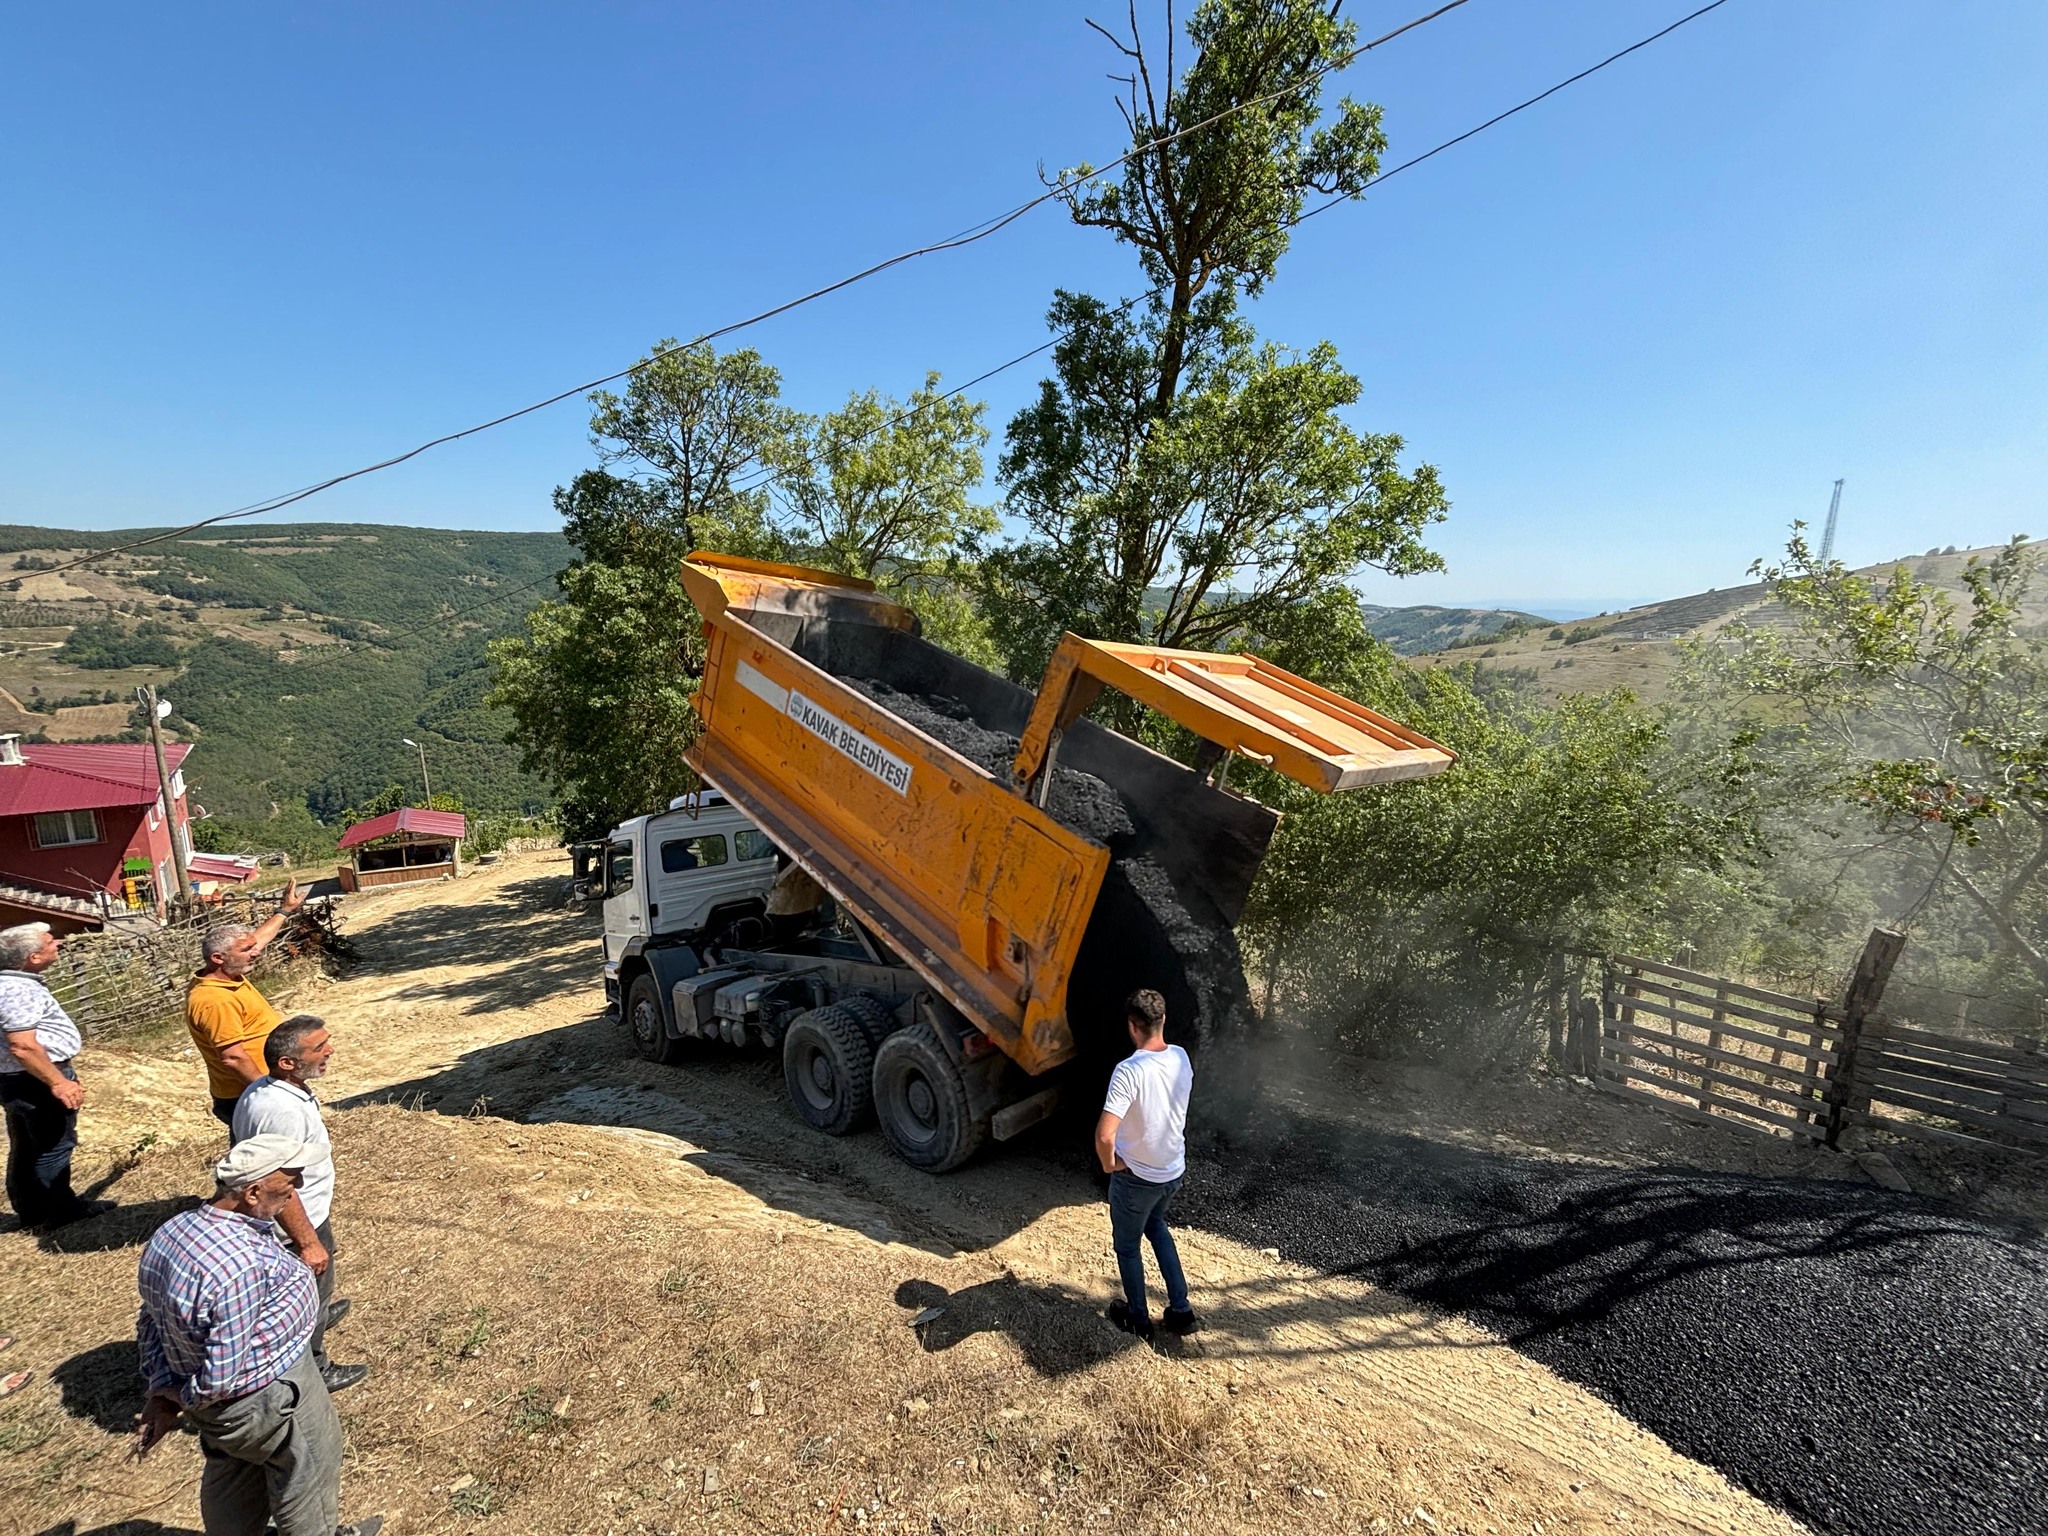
[{"x": 1873, "y": 1363}]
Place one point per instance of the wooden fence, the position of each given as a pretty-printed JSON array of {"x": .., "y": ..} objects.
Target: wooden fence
[
  {"x": 1712, "y": 1049},
  {"x": 126, "y": 981}
]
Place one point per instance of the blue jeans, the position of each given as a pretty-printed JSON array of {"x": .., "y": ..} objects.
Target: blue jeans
[
  {"x": 1137, "y": 1209},
  {"x": 40, "y": 1136}
]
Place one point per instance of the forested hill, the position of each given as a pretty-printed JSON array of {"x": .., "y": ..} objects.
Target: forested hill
[{"x": 297, "y": 656}]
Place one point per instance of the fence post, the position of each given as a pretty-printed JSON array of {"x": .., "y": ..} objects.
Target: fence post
[
  {"x": 1866, "y": 989},
  {"x": 1557, "y": 1009}
]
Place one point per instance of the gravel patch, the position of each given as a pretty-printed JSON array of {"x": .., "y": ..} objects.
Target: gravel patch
[{"x": 1871, "y": 1362}]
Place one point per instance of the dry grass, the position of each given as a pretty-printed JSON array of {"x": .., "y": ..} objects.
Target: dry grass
[{"x": 577, "y": 1331}]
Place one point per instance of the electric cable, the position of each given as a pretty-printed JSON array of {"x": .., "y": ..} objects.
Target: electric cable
[
  {"x": 967, "y": 237},
  {"x": 1127, "y": 304}
]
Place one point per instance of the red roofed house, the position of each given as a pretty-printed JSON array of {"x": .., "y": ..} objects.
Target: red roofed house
[
  {"x": 402, "y": 846},
  {"x": 83, "y": 835}
]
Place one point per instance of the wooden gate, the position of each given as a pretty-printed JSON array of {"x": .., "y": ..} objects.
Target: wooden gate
[{"x": 1706, "y": 1048}]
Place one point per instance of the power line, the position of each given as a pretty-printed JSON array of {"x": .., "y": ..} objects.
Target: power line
[
  {"x": 1296, "y": 220},
  {"x": 966, "y": 237},
  {"x": 1127, "y": 304}
]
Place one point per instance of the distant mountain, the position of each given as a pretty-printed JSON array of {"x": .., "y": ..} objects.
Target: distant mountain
[
  {"x": 1639, "y": 647},
  {"x": 1417, "y": 630},
  {"x": 297, "y": 656}
]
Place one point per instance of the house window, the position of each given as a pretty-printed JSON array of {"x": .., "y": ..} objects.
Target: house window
[{"x": 60, "y": 829}]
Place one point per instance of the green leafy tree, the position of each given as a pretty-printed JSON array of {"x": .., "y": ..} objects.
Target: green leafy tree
[
  {"x": 599, "y": 687},
  {"x": 884, "y": 488},
  {"x": 1925, "y": 720},
  {"x": 1421, "y": 916},
  {"x": 1180, "y": 481}
]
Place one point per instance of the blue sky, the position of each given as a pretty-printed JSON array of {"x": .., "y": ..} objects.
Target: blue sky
[{"x": 1638, "y": 329}]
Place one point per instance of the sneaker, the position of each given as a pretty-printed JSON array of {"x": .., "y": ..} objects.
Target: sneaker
[
  {"x": 337, "y": 1309},
  {"x": 340, "y": 1378},
  {"x": 1120, "y": 1313},
  {"x": 1180, "y": 1320},
  {"x": 369, "y": 1527}
]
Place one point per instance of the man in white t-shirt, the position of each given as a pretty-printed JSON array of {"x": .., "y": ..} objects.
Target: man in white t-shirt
[
  {"x": 1142, "y": 1143},
  {"x": 297, "y": 1052}
]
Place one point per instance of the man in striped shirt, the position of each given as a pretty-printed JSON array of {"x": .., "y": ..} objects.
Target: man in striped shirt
[
  {"x": 226, "y": 1316},
  {"x": 37, "y": 1083}
]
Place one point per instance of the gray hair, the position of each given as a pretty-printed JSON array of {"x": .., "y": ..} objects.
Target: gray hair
[
  {"x": 222, "y": 937},
  {"x": 287, "y": 1037},
  {"x": 19, "y": 942}
]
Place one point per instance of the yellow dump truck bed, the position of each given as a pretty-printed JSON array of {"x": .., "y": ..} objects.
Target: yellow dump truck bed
[{"x": 953, "y": 861}]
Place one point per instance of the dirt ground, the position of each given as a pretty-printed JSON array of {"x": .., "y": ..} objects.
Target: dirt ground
[{"x": 600, "y": 1295}]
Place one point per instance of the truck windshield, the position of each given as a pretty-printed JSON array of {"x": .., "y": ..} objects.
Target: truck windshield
[{"x": 685, "y": 853}]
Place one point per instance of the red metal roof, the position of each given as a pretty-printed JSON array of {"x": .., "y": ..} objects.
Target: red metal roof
[
  {"x": 411, "y": 819},
  {"x": 224, "y": 867},
  {"x": 83, "y": 776}
]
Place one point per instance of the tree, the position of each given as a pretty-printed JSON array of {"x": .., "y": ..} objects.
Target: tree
[
  {"x": 1924, "y": 718},
  {"x": 884, "y": 487},
  {"x": 1180, "y": 482},
  {"x": 1422, "y": 915},
  {"x": 599, "y": 687}
]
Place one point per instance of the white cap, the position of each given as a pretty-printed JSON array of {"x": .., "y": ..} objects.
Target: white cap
[{"x": 248, "y": 1161}]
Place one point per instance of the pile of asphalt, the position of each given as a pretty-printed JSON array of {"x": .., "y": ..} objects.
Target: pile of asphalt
[
  {"x": 1875, "y": 1364},
  {"x": 1147, "y": 930}
]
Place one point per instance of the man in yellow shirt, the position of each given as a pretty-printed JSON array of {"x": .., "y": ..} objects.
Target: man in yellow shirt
[{"x": 229, "y": 1019}]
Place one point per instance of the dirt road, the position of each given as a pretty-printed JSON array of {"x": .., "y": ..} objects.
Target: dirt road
[{"x": 606, "y": 1296}]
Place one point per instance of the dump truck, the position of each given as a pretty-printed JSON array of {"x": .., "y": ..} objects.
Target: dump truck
[{"x": 949, "y": 885}]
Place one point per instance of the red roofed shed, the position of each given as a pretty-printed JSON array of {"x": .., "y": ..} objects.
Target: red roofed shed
[{"x": 402, "y": 846}]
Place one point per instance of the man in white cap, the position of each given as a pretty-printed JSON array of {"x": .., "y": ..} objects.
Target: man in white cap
[{"x": 226, "y": 1315}]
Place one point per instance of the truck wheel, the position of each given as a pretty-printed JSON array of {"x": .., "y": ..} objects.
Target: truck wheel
[
  {"x": 873, "y": 1016},
  {"x": 647, "y": 1023},
  {"x": 827, "y": 1061},
  {"x": 922, "y": 1103}
]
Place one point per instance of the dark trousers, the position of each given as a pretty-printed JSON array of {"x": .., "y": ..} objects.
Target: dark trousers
[
  {"x": 1137, "y": 1210},
  {"x": 40, "y": 1135},
  {"x": 317, "y": 1346},
  {"x": 224, "y": 1112}
]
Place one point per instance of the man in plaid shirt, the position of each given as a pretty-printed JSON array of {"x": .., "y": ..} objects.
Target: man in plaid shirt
[{"x": 227, "y": 1312}]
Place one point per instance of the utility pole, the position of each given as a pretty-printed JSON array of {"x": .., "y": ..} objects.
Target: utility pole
[
  {"x": 156, "y": 710},
  {"x": 425, "y": 783},
  {"x": 1827, "y": 539}
]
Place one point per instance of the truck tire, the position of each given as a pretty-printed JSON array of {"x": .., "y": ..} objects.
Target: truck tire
[
  {"x": 876, "y": 1020},
  {"x": 922, "y": 1102},
  {"x": 647, "y": 1022},
  {"x": 827, "y": 1063}
]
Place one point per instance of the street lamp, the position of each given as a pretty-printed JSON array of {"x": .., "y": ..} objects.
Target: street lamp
[{"x": 425, "y": 783}]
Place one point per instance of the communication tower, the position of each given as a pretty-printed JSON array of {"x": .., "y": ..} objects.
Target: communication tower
[{"x": 1827, "y": 539}]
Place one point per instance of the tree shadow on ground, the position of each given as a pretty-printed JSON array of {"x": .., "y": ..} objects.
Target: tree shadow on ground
[
  {"x": 1848, "y": 1353},
  {"x": 520, "y": 946},
  {"x": 103, "y": 1384},
  {"x": 120, "y": 1528}
]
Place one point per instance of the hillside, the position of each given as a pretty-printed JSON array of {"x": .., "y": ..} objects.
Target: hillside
[
  {"x": 1640, "y": 648},
  {"x": 1418, "y": 630},
  {"x": 296, "y": 656}
]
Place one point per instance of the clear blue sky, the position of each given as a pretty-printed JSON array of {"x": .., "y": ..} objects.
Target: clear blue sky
[{"x": 1639, "y": 328}]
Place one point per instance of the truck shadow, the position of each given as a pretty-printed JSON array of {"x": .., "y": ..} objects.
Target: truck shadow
[{"x": 731, "y": 1114}]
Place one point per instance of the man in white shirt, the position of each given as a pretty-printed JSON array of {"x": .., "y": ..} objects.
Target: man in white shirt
[
  {"x": 297, "y": 1052},
  {"x": 38, "y": 1085},
  {"x": 1141, "y": 1139}
]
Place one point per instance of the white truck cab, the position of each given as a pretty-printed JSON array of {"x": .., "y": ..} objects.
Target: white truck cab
[{"x": 696, "y": 868}]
